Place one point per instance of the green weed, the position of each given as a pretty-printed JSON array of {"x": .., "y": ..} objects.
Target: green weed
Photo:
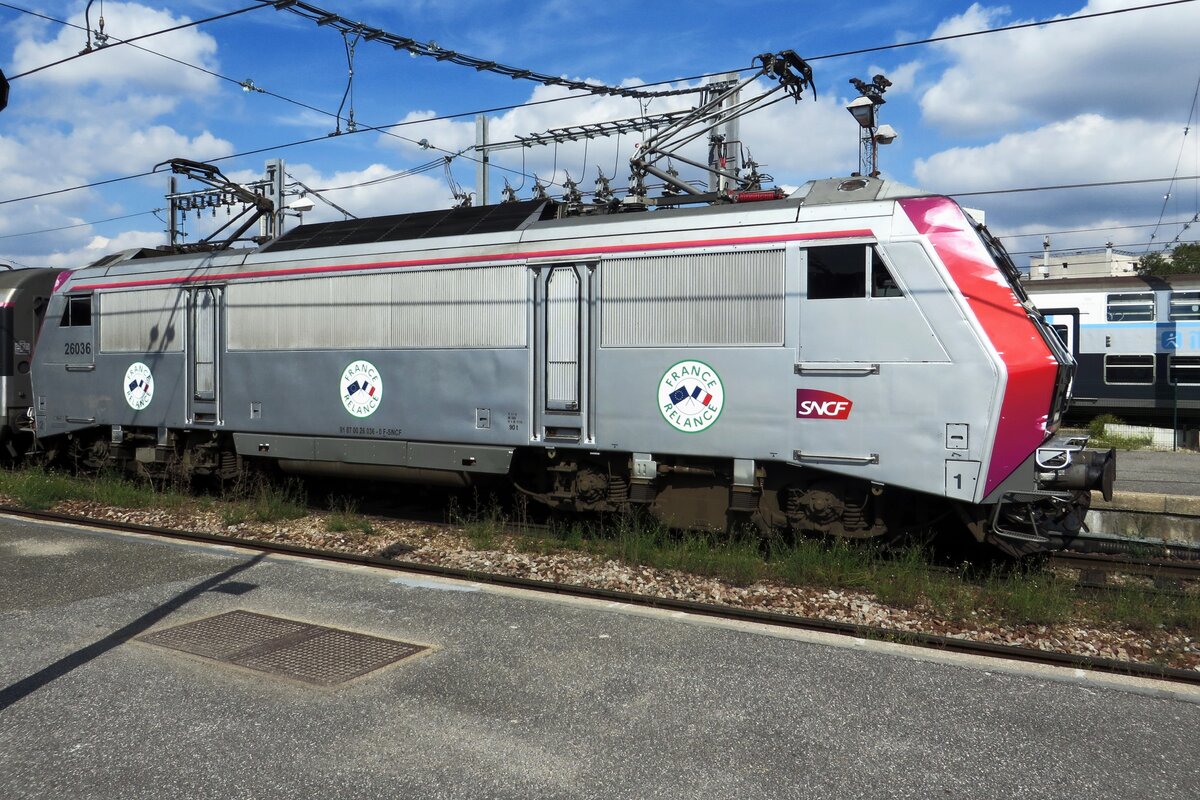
[
  {"x": 35, "y": 489},
  {"x": 344, "y": 517}
]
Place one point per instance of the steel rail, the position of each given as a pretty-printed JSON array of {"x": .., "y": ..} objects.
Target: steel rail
[
  {"x": 324, "y": 18},
  {"x": 1133, "y": 565},
  {"x": 1175, "y": 551},
  {"x": 924, "y": 640}
]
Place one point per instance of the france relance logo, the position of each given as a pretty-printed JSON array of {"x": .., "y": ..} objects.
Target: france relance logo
[
  {"x": 139, "y": 386},
  {"x": 691, "y": 396},
  {"x": 361, "y": 388}
]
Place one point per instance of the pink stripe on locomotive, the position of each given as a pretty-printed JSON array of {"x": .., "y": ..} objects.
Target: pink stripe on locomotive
[{"x": 1030, "y": 364}]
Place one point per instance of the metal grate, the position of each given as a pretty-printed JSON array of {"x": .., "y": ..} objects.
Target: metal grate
[{"x": 310, "y": 653}]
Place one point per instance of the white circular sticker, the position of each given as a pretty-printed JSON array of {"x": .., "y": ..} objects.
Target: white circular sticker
[
  {"x": 361, "y": 389},
  {"x": 139, "y": 386},
  {"x": 691, "y": 396}
]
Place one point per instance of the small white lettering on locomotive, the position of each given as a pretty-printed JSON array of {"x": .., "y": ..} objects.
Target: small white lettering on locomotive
[
  {"x": 361, "y": 388},
  {"x": 139, "y": 386},
  {"x": 691, "y": 396}
]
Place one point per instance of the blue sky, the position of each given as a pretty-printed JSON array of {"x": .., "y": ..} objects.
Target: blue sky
[{"x": 1105, "y": 99}]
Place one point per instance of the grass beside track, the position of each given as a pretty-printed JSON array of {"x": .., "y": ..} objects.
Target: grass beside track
[{"x": 1028, "y": 594}]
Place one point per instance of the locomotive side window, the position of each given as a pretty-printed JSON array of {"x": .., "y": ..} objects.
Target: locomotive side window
[
  {"x": 1129, "y": 370},
  {"x": 837, "y": 272},
  {"x": 77, "y": 313},
  {"x": 1137, "y": 307},
  {"x": 841, "y": 272},
  {"x": 1185, "y": 306},
  {"x": 882, "y": 282},
  {"x": 1184, "y": 370}
]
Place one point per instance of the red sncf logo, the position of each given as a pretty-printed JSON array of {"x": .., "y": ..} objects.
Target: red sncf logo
[{"x": 815, "y": 404}]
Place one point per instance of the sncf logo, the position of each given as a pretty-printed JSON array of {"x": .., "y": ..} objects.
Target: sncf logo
[{"x": 815, "y": 404}]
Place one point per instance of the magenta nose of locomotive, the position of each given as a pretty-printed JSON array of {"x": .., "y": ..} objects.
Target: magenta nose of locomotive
[{"x": 1090, "y": 470}]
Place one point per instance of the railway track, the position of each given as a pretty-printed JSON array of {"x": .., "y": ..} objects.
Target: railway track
[
  {"x": 394, "y": 561},
  {"x": 1110, "y": 563}
]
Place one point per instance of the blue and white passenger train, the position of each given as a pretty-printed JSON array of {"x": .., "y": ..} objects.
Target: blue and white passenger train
[
  {"x": 1136, "y": 341},
  {"x": 857, "y": 359}
]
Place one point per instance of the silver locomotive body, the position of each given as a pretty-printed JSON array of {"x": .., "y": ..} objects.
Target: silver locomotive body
[{"x": 805, "y": 362}]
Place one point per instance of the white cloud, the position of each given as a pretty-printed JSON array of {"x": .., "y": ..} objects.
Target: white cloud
[
  {"x": 1119, "y": 66},
  {"x": 1086, "y": 148},
  {"x": 41, "y": 160},
  {"x": 121, "y": 68},
  {"x": 374, "y": 191},
  {"x": 99, "y": 116},
  {"x": 97, "y": 246}
]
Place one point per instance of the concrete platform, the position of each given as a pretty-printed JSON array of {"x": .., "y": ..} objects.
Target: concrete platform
[
  {"x": 1169, "y": 472},
  {"x": 1156, "y": 496},
  {"x": 523, "y": 696}
]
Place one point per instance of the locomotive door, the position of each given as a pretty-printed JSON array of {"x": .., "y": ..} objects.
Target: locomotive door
[
  {"x": 204, "y": 359},
  {"x": 563, "y": 338}
]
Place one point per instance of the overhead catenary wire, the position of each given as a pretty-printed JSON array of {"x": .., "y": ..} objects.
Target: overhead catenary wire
[
  {"x": 1178, "y": 160},
  {"x": 317, "y": 193},
  {"x": 1002, "y": 29},
  {"x": 1124, "y": 246},
  {"x": 1057, "y": 187},
  {"x": 386, "y": 128},
  {"x": 432, "y": 49},
  {"x": 346, "y": 26},
  {"x": 1040, "y": 234},
  {"x": 701, "y": 76},
  {"x": 115, "y": 42},
  {"x": 248, "y": 86},
  {"x": 81, "y": 224}
]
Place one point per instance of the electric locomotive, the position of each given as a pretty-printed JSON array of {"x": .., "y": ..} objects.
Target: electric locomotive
[{"x": 854, "y": 360}]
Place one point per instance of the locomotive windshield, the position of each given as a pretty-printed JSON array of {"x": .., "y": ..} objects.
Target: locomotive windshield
[{"x": 1066, "y": 362}]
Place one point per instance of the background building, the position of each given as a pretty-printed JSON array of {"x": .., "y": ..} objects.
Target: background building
[{"x": 1095, "y": 263}]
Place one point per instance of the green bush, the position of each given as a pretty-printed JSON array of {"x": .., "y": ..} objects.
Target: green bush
[{"x": 1096, "y": 426}]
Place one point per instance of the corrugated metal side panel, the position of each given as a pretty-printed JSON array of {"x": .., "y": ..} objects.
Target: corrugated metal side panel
[
  {"x": 141, "y": 321},
  {"x": 441, "y": 308},
  {"x": 707, "y": 299},
  {"x": 484, "y": 307},
  {"x": 347, "y": 312}
]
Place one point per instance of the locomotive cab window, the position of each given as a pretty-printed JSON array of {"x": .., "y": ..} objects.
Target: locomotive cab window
[
  {"x": 1137, "y": 307},
  {"x": 842, "y": 271},
  {"x": 882, "y": 282},
  {"x": 1129, "y": 370},
  {"x": 77, "y": 313}
]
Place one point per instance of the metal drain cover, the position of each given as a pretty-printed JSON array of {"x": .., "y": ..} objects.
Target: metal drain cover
[{"x": 310, "y": 653}]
